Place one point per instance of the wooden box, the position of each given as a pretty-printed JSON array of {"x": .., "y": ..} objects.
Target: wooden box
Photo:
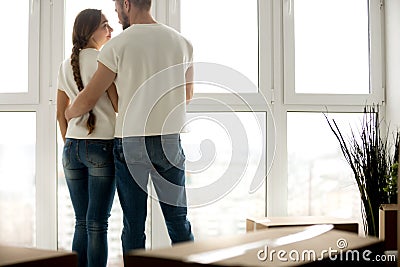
[
  {"x": 253, "y": 224},
  {"x": 250, "y": 250},
  {"x": 32, "y": 257}
]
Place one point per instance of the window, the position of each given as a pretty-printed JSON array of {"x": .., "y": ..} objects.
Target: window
[
  {"x": 225, "y": 172},
  {"x": 17, "y": 55},
  {"x": 222, "y": 165},
  {"x": 333, "y": 54},
  {"x": 217, "y": 35},
  {"x": 17, "y": 178},
  {"x": 320, "y": 182},
  {"x": 20, "y": 170},
  {"x": 275, "y": 45},
  {"x": 20, "y": 53},
  {"x": 230, "y": 102},
  {"x": 316, "y": 44},
  {"x": 228, "y": 49}
]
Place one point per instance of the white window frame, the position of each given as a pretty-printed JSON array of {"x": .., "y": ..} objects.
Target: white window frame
[
  {"x": 261, "y": 101},
  {"x": 32, "y": 96},
  {"x": 168, "y": 12},
  {"x": 45, "y": 47},
  {"x": 46, "y": 43},
  {"x": 376, "y": 94},
  {"x": 51, "y": 54},
  {"x": 286, "y": 101}
]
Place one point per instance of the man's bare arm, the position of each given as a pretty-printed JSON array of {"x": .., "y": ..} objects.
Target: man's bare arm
[
  {"x": 189, "y": 84},
  {"x": 88, "y": 97}
]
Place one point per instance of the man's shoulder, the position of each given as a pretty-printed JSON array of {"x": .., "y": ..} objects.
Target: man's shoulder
[
  {"x": 171, "y": 30},
  {"x": 168, "y": 28},
  {"x": 177, "y": 34}
]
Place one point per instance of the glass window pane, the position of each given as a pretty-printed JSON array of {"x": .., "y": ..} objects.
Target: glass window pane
[
  {"x": 230, "y": 151},
  {"x": 15, "y": 49},
  {"x": 227, "y": 38},
  {"x": 320, "y": 182},
  {"x": 331, "y": 54},
  {"x": 17, "y": 179}
]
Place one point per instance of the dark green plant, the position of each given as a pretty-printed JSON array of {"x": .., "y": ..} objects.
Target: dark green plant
[
  {"x": 391, "y": 183},
  {"x": 368, "y": 154}
]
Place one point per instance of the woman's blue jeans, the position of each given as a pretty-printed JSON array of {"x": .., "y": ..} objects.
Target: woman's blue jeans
[
  {"x": 161, "y": 158},
  {"x": 89, "y": 172}
]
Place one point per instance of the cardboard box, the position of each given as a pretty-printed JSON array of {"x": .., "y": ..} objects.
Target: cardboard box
[
  {"x": 388, "y": 225},
  {"x": 253, "y": 224},
  {"x": 261, "y": 248},
  {"x": 32, "y": 257}
]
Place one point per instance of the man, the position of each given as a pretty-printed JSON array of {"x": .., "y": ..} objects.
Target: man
[{"x": 151, "y": 66}]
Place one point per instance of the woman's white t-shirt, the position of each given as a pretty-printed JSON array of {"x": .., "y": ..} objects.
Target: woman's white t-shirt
[{"x": 103, "y": 110}]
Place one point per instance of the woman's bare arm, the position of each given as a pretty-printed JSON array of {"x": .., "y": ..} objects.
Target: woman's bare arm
[
  {"x": 62, "y": 104},
  {"x": 112, "y": 94}
]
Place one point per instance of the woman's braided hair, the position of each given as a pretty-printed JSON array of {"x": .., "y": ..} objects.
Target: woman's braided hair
[{"x": 86, "y": 23}]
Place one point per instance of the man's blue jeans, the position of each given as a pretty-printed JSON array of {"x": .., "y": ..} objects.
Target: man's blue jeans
[
  {"x": 89, "y": 171},
  {"x": 162, "y": 158}
]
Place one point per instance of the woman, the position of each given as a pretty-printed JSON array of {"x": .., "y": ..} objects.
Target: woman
[{"x": 87, "y": 156}]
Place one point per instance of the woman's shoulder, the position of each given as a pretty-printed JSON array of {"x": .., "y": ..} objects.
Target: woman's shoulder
[
  {"x": 88, "y": 52},
  {"x": 88, "y": 58},
  {"x": 66, "y": 63}
]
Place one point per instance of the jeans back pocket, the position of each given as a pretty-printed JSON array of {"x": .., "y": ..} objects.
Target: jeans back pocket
[
  {"x": 173, "y": 153},
  {"x": 99, "y": 153},
  {"x": 135, "y": 150}
]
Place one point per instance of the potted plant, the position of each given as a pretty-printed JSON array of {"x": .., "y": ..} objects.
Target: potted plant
[
  {"x": 391, "y": 183},
  {"x": 373, "y": 160}
]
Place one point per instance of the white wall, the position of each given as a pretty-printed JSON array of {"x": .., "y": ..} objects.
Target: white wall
[{"x": 392, "y": 21}]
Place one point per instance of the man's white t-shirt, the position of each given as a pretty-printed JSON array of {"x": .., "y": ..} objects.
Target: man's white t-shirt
[
  {"x": 150, "y": 61},
  {"x": 103, "y": 110}
]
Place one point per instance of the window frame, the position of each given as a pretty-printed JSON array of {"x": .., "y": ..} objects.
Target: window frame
[
  {"x": 32, "y": 96},
  {"x": 277, "y": 182},
  {"x": 45, "y": 46},
  {"x": 168, "y": 12},
  {"x": 376, "y": 63},
  {"x": 46, "y": 51}
]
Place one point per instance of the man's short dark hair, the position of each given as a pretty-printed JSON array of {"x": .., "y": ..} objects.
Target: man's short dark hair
[{"x": 141, "y": 4}]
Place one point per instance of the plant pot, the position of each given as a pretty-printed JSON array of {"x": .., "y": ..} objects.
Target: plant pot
[{"x": 388, "y": 225}]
